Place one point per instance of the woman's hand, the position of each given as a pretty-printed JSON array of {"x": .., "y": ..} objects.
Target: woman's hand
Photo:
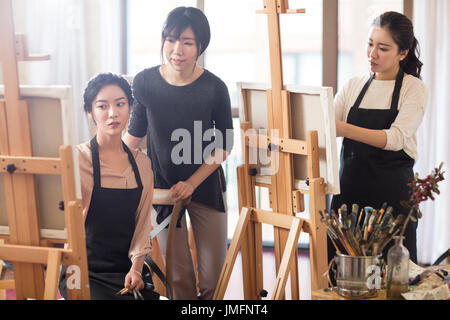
[
  {"x": 133, "y": 279},
  {"x": 181, "y": 190}
]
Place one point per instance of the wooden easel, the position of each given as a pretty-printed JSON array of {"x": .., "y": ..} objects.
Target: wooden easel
[
  {"x": 284, "y": 199},
  {"x": 24, "y": 246}
]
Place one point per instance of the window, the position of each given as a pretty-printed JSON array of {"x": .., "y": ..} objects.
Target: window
[
  {"x": 239, "y": 52},
  {"x": 239, "y": 48},
  {"x": 355, "y": 18},
  {"x": 145, "y": 21}
]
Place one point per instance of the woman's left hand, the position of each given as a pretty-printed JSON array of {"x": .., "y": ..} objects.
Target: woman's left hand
[
  {"x": 181, "y": 190},
  {"x": 133, "y": 280}
]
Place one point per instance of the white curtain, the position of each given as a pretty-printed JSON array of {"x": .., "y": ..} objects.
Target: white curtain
[
  {"x": 82, "y": 38},
  {"x": 432, "y": 28}
]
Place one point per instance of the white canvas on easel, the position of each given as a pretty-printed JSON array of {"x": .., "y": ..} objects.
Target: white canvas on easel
[
  {"x": 52, "y": 125},
  {"x": 311, "y": 109}
]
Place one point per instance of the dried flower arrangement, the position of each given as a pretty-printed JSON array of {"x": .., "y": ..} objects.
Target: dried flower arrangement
[{"x": 421, "y": 190}]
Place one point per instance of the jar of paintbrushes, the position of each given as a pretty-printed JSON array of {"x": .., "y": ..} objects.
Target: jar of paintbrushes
[{"x": 359, "y": 237}]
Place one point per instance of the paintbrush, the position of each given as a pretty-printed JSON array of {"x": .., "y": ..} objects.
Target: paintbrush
[
  {"x": 376, "y": 237},
  {"x": 341, "y": 236},
  {"x": 333, "y": 215},
  {"x": 372, "y": 220},
  {"x": 382, "y": 211},
  {"x": 330, "y": 229},
  {"x": 332, "y": 224},
  {"x": 387, "y": 240},
  {"x": 344, "y": 214},
  {"x": 360, "y": 215},
  {"x": 373, "y": 236},
  {"x": 382, "y": 235},
  {"x": 381, "y": 223},
  {"x": 363, "y": 239},
  {"x": 353, "y": 216},
  {"x": 387, "y": 217},
  {"x": 352, "y": 241},
  {"x": 368, "y": 212},
  {"x": 123, "y": 291},
  {"x": 375, "y": 249},
  {"x": 358, "y": 235},
  {"x": 369, "y": 223},
  {"x": 334, "y": 243},
  {"x": 323, "y": 218},
  {"x": 394, "y": 228},
  {"x": 345, "y": 229},
  {"x": 397, "y": 222}
]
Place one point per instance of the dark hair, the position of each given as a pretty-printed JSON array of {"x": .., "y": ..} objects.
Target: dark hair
[
  {"x": 101, "y": 80},
  {"x": 402, "y": 31},
  {"x": 183, "y": 17}
]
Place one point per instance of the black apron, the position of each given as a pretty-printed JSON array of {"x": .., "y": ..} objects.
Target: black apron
[
  {"x": 109, "y": 227},
  {"x": 370, "y": 176}
]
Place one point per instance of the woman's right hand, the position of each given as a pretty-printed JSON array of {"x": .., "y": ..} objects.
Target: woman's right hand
[
  {"x": 181, "y": 190},
  {"x": 133, "y": 279}
]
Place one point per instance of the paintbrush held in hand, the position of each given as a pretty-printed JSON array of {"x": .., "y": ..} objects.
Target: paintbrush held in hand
[{"x": 355, "y": 235}]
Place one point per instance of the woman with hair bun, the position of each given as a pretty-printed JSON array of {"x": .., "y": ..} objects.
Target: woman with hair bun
[
  {"x": 117, "y": 194},
  {"x": 378, "y": 115},
  {"x": 184, "y": 110}
]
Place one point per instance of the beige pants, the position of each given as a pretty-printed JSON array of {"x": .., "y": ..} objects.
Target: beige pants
[{"x": 210, "y": 233}]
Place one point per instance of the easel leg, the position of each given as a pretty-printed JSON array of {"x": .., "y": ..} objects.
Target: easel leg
[
  {"x": 29, "y": 277},
  {"x": 248, "y": 256},
  {"x": 317, "y": 243},
  {"x": 236, "y": 242},
  {"x": 75, "y": 222},
  {"x": 258, "y": 260},
  {"x": 281, "y": 238},
  {"x": 52, "y": 275},
  {"x": 287, "y": 261},
  {"x": 2, "y": 282},
  {"x": 248, "y": 253}
]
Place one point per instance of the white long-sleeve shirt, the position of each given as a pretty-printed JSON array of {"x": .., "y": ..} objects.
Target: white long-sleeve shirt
[{"x": 411, "y": 106}]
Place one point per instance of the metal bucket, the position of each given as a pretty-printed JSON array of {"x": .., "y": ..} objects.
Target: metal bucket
[{"x": 358, "y": 277}]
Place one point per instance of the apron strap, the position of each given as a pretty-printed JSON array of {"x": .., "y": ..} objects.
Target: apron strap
[
  {"x": 396, "y": 94},
  {"x": 95, "y": 161},
  {"x": 363, "y": 91},
  {"x": 134, "y": 165}
]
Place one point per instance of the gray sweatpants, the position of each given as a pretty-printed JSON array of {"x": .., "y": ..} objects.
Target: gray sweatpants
[{"x": 210, "y": 234}]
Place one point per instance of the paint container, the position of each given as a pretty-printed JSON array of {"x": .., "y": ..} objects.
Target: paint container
[{"x": 358, "y": 277}]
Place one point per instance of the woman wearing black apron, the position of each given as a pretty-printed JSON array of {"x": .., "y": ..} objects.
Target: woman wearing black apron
[
  {"x": 378, "y": 116},
  {"x": 118, "y": 205}
]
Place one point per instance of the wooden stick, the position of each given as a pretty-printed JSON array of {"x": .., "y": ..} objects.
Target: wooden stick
[
  {"x": 236, "y": 241},
  {"x": 52, "y": 276},
  {"x": 286, "y": 262}
]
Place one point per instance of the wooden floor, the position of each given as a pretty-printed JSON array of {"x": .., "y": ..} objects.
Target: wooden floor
[{"x": 235, "y": 286}]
